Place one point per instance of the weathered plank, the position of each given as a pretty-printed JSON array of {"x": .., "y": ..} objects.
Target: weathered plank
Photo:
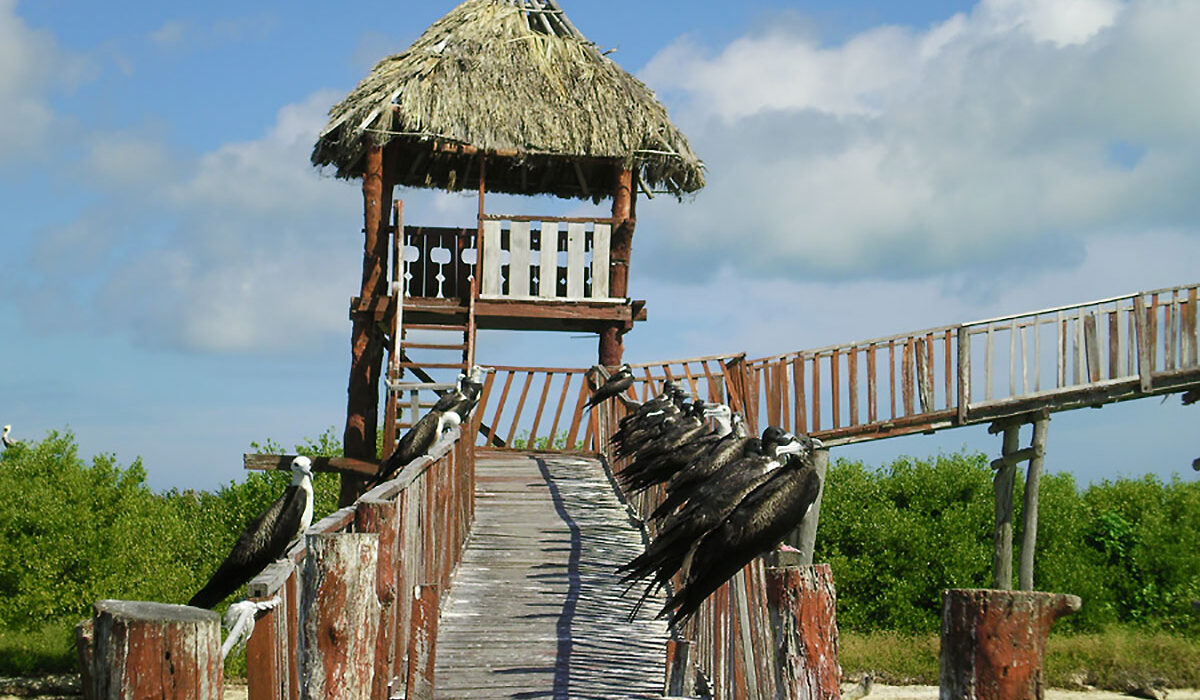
[{"x": 535, "y": 608}]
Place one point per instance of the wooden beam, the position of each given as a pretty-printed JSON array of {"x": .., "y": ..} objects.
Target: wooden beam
[
  {"x": 611, "y": 346},
  {"x": 343, "y": 465},
  {"x": 1030, "y": 513},
  {"x": 1003, "y": 487}
]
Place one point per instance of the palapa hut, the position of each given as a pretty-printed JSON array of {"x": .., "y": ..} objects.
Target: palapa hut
[{"x": 497, "y": 96}]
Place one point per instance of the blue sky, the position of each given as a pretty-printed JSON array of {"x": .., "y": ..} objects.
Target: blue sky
[{"x": 175, "y": 275}]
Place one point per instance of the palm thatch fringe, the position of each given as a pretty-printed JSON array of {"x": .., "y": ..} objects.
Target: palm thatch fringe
[{"x": 514, "y": 81}]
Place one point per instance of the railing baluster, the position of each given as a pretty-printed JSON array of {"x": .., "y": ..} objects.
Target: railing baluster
[
  {"x": 987, "y": 363},
  {"x": 800, "y": 395},
  {"x": 852, "y": 378},
  {"x": 835, "y": 391}
]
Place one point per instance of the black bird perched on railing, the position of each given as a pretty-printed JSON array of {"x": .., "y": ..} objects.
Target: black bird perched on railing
[
  {"x": 265, "y": 540},
  {"x": 616, "y": 384},
  {"x": 416, "y": 442},
  {"x": 709, "y": 503},
  {"x": 757, "y": 524},
  {"x": 659, "y": 460},
  {"x": 6, "y": 440}
]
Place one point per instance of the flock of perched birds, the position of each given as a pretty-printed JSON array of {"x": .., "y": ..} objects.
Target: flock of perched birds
[{"x": 728, "y": 497}]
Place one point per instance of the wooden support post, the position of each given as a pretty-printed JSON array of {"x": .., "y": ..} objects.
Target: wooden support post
[
  {"x": 422, "y": 643},
  {"x": 1003, "y": 487},
  {"x": 1030, "y": 513},
  {"x": 143, "y": 650},
  {"x": 681, "y": 669},
  {"x": 341, "y": 615},
  {"x": 802, "y": 603},
  {"x": 993, "y": 642},
  {"x": 611, "y": 343},
  {"x": 366, "y": 343},
  {"x": 383, "y": 517},
  {"x": 805, "y": 536}
]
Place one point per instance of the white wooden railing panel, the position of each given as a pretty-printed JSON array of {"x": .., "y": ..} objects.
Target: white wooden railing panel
[
  {"x": 518, "y": 261},
  {"x": 601, "y": 237},
  {"x": 588, "y": 255},
  {"x": 548, "y": 270},
  {"x": 492, "y": 283},
  {"x": 575, "y": 261}
]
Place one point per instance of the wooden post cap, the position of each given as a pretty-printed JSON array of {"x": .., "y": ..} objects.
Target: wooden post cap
[{"x": 994, "y": 642}]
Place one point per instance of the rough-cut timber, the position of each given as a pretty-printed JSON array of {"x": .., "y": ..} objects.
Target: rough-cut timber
[
  {"x": 341, "y": 615},
  {"x": 803, "y": 603},
  {"x": 151, "y": 650},
  {"x": 535, "y": 609},
  {"x": 993, "y": 642}
]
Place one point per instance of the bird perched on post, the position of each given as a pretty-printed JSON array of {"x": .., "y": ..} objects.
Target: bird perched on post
[
  {"x": 616, "y": 384},
  {"x": 463, "y": 397},
  {"x": 265, "y": 540},
  {"x": 416, "y": 442},
  {"x": 6, "y": 440}
]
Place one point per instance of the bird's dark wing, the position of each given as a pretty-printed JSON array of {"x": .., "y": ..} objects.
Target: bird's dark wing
[
  {"x": 412, "y": 444},
  {"x": 262, "y": 542},
  {"x": 616, "y": 384}
]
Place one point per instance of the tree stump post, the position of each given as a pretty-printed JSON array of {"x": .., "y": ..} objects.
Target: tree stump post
[
  {"x": 140, "y": 650},
  {"x": 422, "y": 642},
  {"x": 382, "y": 517},
  {"x": 339, "y": 611},
  {"x": 802, "y": 604},
  {"x": 994, "y": 642}
]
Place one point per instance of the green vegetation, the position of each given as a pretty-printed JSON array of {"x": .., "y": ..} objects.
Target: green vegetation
[{"x": 73, "y": 531}]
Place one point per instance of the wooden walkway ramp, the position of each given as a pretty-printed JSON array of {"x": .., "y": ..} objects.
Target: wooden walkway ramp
[{"x": 536, "y": 609}]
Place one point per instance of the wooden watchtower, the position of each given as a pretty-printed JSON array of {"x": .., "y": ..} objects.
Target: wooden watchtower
[{"x": 498, "y": 96}]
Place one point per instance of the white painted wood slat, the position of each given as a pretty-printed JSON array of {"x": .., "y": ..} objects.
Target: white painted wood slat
[
  {"x": 491, "y": 258},
  {"x": 601, "y": 241},
  {"x": 575, "y": 260},
  {"x": 548, "y": 270},
  {"x": 518, "y": 259}
]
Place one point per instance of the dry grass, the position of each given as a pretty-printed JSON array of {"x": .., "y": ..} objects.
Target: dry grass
[{"x": 1113, "y": 660}]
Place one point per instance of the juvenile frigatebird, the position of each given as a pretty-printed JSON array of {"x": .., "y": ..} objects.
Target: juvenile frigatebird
[{"x": 265, "y": 540}]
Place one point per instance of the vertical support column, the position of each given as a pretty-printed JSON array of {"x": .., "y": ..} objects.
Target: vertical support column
[
  {"x": 366, "y": 343},
  {"x": 611, "y": 345},
  {"x": 422, "y": 642},
  {"x": 142, "y": 650},
  {"x": 993, "y": 642},
  {"x": 802, "y": 604},
  {"x": 1030, "y": 513},
  {"x": 383, "y": 517},
  {"x": 806, "y": 534},
  {"x": 340, "y": 616},
  {"x": 1003, "y": 486}
]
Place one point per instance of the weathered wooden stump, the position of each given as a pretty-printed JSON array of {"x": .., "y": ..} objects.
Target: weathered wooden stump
[
  {"x": 142, "y": 650},
  {"x": 803, "y": 605},
  {"x": 339, "y": 609},
  {"x": 994, "y": 642}
]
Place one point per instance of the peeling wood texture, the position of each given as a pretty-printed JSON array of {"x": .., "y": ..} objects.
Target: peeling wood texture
[
  {"x": 340, "y": 613},
  {"x": 803, "y": 603},
  {"x": 151, "y": 650},
  {"x": 994, "y": 642},
  {"x": 535, "y": 609}
]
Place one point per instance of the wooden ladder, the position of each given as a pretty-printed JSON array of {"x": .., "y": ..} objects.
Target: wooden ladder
[{"x": 424, "y": 359}]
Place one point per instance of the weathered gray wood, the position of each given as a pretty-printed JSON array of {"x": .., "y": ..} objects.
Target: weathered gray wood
[
  {"x": 1092, "y": 347},
  {"x": 534, "y": 608},
  {"x": 518, "y": 261},
  {"x": 964, "y": 372},
  {"x": 601, "y": 235},
  {"x": 143, "y": 650},
  {"x": 340, "y": 612},
  {"x": 492, "y": 283},
  {"x": 681, "y": 669},
  {"x": 575, "y": 261},
  {"x": 1003, "y": 487},
  {"x": 805, "y": 536},
  {"x": 1030, "y": 514},
  {"x": 1145, "y": 344}
]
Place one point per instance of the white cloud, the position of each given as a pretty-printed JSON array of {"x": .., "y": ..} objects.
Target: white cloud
[
  {"x": 986, "y": 142},
  {"x": 32, "y": 65}
]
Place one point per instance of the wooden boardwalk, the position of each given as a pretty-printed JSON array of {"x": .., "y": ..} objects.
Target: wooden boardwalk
[{"x": 536, "y": 610}]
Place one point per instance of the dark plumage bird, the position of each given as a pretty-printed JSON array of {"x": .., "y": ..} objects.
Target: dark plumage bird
[
  {"x": 709, "y": 504},
  {"x": 6, "y": 440},
  {"x": 265, "y": 540},
  {"x": 616, "y": 384},
  {"x": 659, "y": 459},
  {"x": 758, "y": 523},
  {"x": 416, "y": 442},
  {"x": 1191, "y": 397}
]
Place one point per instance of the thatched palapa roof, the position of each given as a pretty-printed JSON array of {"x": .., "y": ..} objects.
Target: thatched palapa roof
[{"x": 513, "y": 80}]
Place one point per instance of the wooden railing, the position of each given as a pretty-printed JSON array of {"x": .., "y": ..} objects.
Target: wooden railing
[
  {"x": 367, "y": 637},
  {"x": 543, "y": 408},
  {"x": 564, "y": 259},
  {"x": 1059, "y": 358},
  {"x": 523, "y": 258}
]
